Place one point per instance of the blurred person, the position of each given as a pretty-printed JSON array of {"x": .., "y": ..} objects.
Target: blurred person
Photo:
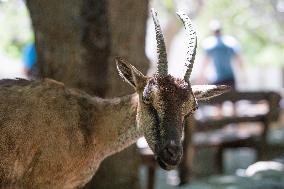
[
  {"x": 29, "y": 60},
  {"x": 222, "y": 51}
]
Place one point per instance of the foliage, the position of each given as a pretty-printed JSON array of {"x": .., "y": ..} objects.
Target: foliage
[
  {"x": 17, "y": 28},
  {"x": 258, "y": 25},
  {"x": 254, "y": 23}
]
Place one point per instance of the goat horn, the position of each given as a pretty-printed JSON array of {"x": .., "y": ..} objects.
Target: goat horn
[
  {"x": 161, "y": 47},
  {"x": 191, "y": 52}
]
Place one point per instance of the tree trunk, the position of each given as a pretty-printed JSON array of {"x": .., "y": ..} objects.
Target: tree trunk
[{"x": 76, "y": 43}]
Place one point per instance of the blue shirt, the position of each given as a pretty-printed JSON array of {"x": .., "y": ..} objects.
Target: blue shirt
[
  {"x": 29, "y": 56},
  {"x": 221, "y": 50}
]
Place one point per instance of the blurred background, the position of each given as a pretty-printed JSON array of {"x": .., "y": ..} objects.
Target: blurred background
[{"x": 75, "y": 42}]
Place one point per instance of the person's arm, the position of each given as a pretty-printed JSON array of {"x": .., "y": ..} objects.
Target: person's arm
[
  {"x": 240, "y": 67},
  {"x": 239, "y": 61}
]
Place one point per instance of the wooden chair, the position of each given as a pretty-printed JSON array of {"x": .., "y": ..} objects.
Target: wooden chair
[{"x": 257, "y": 141}]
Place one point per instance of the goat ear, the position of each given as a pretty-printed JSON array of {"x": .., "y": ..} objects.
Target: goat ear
[
  {"x": 205, "y": 92},
  {"x": 130, "y": 74}
]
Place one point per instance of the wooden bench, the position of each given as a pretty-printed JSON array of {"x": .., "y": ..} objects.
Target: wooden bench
[
  {"x": 197, "y": 126},
  {"x": 267, "y": 101}
]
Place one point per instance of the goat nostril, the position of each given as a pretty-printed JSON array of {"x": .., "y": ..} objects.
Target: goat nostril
[{"x": 171, "y": 151}]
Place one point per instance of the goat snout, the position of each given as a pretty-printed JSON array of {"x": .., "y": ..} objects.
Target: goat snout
[
  {"x": 170, "y": 156},
  {"x": 172, "y": 152}
]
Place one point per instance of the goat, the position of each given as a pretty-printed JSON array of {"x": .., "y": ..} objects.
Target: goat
[{"x": 55, "y": 137}]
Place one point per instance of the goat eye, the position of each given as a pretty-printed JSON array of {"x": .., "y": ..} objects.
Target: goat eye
[
  {"x": 146, "y": 99},
  {"x": 195, "y": 108}
]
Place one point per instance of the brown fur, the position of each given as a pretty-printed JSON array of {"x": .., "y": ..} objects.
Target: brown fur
[
  {"x": 171, "y": 99},
  {"x": 163, "y": 103},
  {"x": 53, "y": 137}
]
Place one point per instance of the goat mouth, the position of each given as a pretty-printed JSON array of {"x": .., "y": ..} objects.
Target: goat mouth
[{"x": 166, "y": 165}]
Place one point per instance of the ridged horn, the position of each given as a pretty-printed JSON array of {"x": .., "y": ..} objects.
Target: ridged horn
[
  {"x": 192, "y": 44},
  {"x": 162, "y": 69}
]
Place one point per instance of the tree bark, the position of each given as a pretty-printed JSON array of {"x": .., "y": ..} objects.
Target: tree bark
[{"x": 76, "y": 43}]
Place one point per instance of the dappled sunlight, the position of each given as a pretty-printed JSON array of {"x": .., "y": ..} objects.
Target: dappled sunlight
[
  {"x": 257, "y": 26},
  {"x": 264, "y": 166},
  {"x": 259, "y": 37},
  {"x": 11, "y": 68},
  {"x": 233, "y": 140}
]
